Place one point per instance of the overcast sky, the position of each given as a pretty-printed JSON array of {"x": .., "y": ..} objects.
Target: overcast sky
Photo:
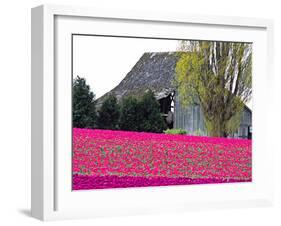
[{"x": 105, "y": 61}]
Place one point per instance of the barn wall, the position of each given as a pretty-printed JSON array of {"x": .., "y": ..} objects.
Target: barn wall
[
  {"x": 246, "y": 122},
  {"x": 190, "y": 118}
]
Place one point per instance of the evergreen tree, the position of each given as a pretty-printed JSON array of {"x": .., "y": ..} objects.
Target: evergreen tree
[
  {"x": 130, "y": 114},
  {"x": 83, "y": 109},
  {"x": 151, "y": 119},
  {"x": 108, "y": 114}
]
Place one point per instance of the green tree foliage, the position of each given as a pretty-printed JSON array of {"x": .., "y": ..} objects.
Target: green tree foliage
[
  {"x": 130, "y": 114},
  {"x": 108, "y": 114},
  {"x": 151, "y": 119},
  {"x": 83, "y": 110},
  {"x": 218, "y": 75},
  {"x": 142, "y": 114},
  {"x": 175, "y": 131}
]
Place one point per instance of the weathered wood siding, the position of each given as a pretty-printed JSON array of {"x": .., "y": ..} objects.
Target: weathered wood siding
[{"x": 190, "y": 118}]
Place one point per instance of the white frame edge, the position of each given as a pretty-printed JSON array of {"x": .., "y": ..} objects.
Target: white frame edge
[
  {"x": 42, "y": 85},
  {"x": 42, "y": 111}
]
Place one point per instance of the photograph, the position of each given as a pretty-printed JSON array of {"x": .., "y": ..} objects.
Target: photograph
[{"x": 160, "y": 112}]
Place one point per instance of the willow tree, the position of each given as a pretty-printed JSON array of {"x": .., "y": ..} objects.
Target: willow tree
[{"x": 218, "y": 76}]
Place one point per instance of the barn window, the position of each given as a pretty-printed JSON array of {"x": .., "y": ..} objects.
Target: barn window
[
  {"x": 165, "y": 105},
  {"x": 167, "y": 109}
]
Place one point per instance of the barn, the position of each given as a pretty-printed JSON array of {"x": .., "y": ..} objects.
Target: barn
[{"x": 156, "y": 71}]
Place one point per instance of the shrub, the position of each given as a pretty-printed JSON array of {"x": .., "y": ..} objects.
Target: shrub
[{"x": 175, "y": 131}]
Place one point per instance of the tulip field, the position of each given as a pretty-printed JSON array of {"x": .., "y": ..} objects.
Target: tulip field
[{"x": 115, "y": 159}]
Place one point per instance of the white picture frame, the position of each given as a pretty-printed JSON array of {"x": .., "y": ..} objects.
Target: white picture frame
[{"x": 52, "y": 198}]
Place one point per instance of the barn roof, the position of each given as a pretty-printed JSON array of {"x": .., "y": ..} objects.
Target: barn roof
[{"x": 154, "y": 71}]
